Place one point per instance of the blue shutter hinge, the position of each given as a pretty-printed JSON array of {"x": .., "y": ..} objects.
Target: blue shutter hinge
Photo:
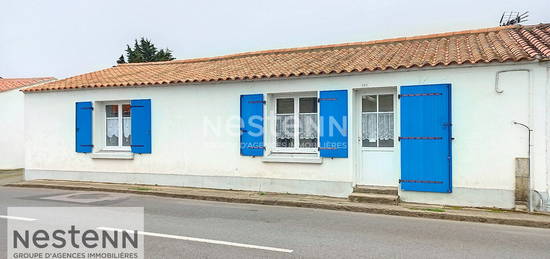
[
  {"x": 325, "y": 99},
  {"x": 136, "y": 106},
  {"x": 399, "y": 96},
  {"x": 87, "y": 108},
  {"x": 87, "y": 145}
]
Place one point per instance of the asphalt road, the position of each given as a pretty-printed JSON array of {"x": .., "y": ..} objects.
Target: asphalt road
[{"x": 295, "y": 232}]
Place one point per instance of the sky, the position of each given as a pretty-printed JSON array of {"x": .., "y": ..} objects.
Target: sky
[{"x": 63, "y": 38}]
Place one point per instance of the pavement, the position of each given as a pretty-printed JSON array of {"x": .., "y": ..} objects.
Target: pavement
[
  {"x": 295, "y": 232},
  {"x": 494, "y": 216},
  {"x": 11, "y": 176}
]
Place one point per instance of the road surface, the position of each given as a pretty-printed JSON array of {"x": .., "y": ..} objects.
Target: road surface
[{"x": 201, "y": 229}]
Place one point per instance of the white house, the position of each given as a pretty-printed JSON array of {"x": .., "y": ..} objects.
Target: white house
[
  {"x": 432, "y": 116},
  {"x": 12, "y": 152}
]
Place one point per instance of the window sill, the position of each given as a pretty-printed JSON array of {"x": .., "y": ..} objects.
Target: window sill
[
  {"x": 123, "y": 155},
  {"x": 293, "y": 158}
]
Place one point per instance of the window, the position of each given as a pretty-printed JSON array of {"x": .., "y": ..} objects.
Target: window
[
  {"x": 118, "y": 129},
  {"x": 296, "y": 126},
  {"x": 377, "y": 120}
]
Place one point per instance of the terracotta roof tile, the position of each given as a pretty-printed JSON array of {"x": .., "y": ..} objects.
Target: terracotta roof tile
[
  {"x": 14, "y": 83},
  {"x": 499, "y": 44}
]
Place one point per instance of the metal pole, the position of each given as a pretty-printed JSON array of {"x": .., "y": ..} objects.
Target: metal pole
[{"x": 529, "y": 200}]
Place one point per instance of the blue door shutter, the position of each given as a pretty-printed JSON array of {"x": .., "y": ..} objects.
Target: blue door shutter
[
  {"x": 333, "y": 111},
  {"x": 252, "y": 125},
  {"x": 141, "y": 126},
  {"x": 84, "y": 127},
  {"x": 426, "y": 138}
]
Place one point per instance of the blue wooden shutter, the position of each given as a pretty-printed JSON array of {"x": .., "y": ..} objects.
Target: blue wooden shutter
[
  {"x": 84, "y": 127},
  {"x": 334, "y": 123},
  {"x": 141, "y": 126},
  {"x": 426, "y": 138},
  {"x": 252, "y": 125}
]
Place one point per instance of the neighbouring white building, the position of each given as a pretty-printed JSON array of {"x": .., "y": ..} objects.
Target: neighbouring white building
[
  {"x": 431, "y": 115},
  {"x": 12, "y": 151}
]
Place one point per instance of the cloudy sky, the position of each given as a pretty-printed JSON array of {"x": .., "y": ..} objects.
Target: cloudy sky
[{"x": 63, "y": 38}]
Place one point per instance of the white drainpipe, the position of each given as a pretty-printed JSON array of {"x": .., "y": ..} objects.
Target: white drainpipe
[
  {"x": 527, "y": 125},
  {"x": 547, "y": 149}
]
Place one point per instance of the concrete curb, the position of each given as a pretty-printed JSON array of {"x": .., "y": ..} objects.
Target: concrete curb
[{"x": 359, "y": 207}]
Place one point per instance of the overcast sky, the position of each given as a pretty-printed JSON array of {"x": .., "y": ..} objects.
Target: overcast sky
[{"x": 63, "y": 38}]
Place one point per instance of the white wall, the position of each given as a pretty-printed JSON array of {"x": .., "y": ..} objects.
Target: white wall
[
  {"x": 485, "y": 146},
  {"x": 12, "y": 152}
]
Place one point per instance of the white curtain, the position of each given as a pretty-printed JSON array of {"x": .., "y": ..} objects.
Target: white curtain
[
  {"x": 112, "y": 127},
  {"x": 369, "y": 126},
  {"x": 126, "y": 130},
  {"x": 126, "y": 126},
  {"x": 112, "y": 132},
  {"x": 285, "y": 126},
  {"x": 385, "y": 126},
  {"x": 308, "y": 126}
]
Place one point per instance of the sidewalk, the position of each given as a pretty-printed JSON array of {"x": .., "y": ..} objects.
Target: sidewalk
[
  {"x": 11, "y": 176},
  {"x": 493, "y": 216}
]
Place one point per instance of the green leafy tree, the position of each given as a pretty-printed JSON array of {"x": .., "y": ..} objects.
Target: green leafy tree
[{"x": 145, "y": 51}]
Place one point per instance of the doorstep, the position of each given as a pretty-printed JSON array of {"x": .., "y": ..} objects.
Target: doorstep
[{"x": 539, "y": 220}]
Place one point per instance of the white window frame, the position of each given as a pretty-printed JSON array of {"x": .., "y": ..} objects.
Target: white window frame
[
  {"x": 120, "y": 146},
  {"x": 377, "y": 94},
  {"x": 273, "y": 121}
]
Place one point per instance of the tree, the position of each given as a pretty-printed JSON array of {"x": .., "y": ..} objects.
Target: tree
[
  {"x": 145, "y": 51},
  {"x": 121, "y": 60}
]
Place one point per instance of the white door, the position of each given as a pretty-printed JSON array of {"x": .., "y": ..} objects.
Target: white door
[{"x": 378, "y": 143}]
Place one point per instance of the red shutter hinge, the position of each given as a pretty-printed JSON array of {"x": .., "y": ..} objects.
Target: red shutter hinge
[
  {"x": 329, "y": 148},
  {"x": 426, "y": 94},
  {"x": 419, "y": 181},
  {"x": 425, "y": 138},
  {"x": 257, "y": 148}
]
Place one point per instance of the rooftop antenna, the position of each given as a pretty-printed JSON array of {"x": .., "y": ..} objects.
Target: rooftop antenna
[{"x": 511, "y": 18}]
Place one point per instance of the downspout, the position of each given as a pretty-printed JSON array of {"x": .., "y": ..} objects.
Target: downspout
[
  {"x": 547, "y": 107},
  {"x": 529, "y": 130},
  {"x": 529, "y": 118},
  {"x": 499, "y": 91}
]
